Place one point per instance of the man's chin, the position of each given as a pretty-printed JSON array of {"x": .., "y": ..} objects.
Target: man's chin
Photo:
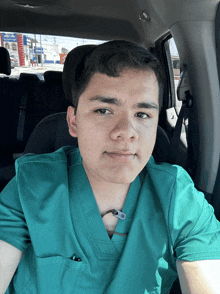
[{"x": 121, "y": 179}]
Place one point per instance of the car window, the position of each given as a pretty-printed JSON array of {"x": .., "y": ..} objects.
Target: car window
[
  {"x": 173, "y": 61},
  {"x": 35, "y": 53},
  {"x": 176, "y": 70},
  {"x": 172, "y": 113}
]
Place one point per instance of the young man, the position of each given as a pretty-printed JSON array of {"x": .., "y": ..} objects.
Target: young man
[{"x": 105, "y": 218}]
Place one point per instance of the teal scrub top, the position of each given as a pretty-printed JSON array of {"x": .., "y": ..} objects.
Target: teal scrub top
[{"x": 49, "y": 211}]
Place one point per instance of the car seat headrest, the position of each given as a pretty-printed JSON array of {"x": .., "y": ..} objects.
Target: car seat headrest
[
  {"x": 5, "y": 62},
  {"x": 53, "y": 77},
  {"x": 28, "y": 77},
  {"x": 73, "y": 59}
]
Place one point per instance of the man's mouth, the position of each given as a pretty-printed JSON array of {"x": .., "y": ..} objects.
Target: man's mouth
[{"x": 122, "y": 156}]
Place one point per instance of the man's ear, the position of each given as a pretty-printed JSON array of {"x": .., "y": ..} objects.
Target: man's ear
[{"x": 71, "y": 120}]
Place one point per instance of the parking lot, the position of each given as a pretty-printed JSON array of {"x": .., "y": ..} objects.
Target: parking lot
[{"x": 40, "y": 69}]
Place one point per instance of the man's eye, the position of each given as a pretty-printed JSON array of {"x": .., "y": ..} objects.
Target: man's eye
[
  {"x": 102, "y": 111},
  {"x": 142, "y": 115}
]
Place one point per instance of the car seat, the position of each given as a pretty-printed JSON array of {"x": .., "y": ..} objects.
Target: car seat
[
  {"x": 5, "y": 62},
  {"x": 8, "y": 108},
  {"x": 52, "y": 132}
]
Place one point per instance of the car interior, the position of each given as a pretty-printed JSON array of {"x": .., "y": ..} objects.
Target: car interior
[{"x": 33, "y": 109}]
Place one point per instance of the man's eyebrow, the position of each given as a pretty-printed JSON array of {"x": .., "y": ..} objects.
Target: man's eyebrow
[
  {"x": 115, "y": 101},
  {"x": 149, "y": 105},
  {"x": 106, "y": 100}
]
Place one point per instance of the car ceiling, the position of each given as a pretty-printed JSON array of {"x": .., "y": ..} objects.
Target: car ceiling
[{"x": 141, "y": 21}]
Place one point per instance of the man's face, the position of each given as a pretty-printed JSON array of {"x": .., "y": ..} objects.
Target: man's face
[{"x": 116, "y": 124}]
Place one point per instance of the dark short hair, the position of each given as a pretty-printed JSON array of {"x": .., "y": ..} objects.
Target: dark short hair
[{"x": 109, "y": 58}]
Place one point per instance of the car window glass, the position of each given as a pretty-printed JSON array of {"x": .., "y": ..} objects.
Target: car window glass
[
  {"x": 172, "y": 113},
  {"x": 173, "y": 61},
  {"x": 34, "y": 53}
]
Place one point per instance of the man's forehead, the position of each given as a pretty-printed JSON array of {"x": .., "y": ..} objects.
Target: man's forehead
[
  {"x": 136, "y": 84},
  {"x": 144, "y": 78},
  {"x": 147, "y": 71}
]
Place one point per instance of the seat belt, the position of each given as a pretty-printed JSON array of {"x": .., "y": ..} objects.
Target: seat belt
[
  {"x": 21, "y": 123},
  {"x": 21, "y": 118},
  {"x": 183, "y": 94}
]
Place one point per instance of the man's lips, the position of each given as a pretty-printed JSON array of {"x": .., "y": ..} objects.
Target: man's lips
[{"x": 124, "y": 156}]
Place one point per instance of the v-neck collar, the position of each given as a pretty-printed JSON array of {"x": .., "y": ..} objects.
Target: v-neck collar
[{"x": 82, "y": 202}]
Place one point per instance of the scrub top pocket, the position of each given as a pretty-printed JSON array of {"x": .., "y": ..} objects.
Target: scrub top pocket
[{"x": 57, "y": 274}]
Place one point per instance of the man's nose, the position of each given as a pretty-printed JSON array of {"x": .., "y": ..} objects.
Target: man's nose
[{"x": 124, "y": 130}]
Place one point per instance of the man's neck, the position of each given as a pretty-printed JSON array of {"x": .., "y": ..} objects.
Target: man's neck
[
  {"x": 114, "y": 197},
  {"x": 109, "y": 195}
]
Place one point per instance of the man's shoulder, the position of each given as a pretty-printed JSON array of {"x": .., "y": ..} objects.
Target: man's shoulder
[
  {"x": 167, "y": 170},
  {"x": 60, "y": 155},
  {"x": 170, "y": 183}
]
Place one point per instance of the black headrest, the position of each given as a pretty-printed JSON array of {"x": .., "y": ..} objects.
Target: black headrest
[
  {"x": 53, "y": 77},
  {"x": 28, "y": 77},
  {"x": 52, "y": 133},
  {"x": 73, "y": 59},
  {"x": 5, "y": 62}
]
